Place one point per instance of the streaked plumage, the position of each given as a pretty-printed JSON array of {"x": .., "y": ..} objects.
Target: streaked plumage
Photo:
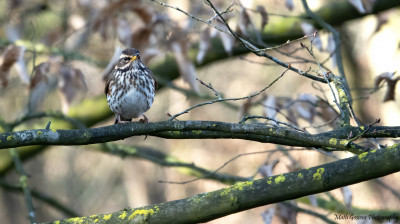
[{"x": 130, "y": 88}]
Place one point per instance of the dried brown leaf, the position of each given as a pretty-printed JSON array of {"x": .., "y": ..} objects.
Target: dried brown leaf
[
  {"x": 7, "y": 59},
  {"x": 185, "y": 65},
  {"x": 141, "y": 38},
  {"x": 331, "y": 48},
  {"x": 39, "y": 86},
  {"x": 270, "y": 106},
  {"x": 124, "y": 31},
  {"x": 227, "y": 41},
  {"x": 369, "y": 5},
  {"x": 267, "y": 169},
  {"x": 287, "y": 214},
  {"x": 264, "y": 16},
  {"x": 40, "y": 74},
  {"x": 309, "y": 29},
  {"x": 388, "y": 77},
  {"x": 20, "y": 66},
  {"x": 204, "y": 44},
  {"x": 71, "y": 82},
  {"x": 347, "y": 196},
  {"x": 110, "y": 66},
  {"x": 382, "y": 18},
  {"x": 268, "y": 215},
  {"x": 245, "y": 108},
  {"x": 289, "y": 4},
  {"x": 358, "y": 4},
  {"x": 107, "y": 17},
  {"x": 145, "y": 13},
  {"x": 244, "y": 22}
]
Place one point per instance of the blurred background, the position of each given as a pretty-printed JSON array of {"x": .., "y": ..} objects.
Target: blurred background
[{"x": 56, "y": 54}]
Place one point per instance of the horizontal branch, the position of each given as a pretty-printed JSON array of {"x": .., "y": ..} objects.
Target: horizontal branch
[
  {"x": 194, "y": 130},
  {"x": 251, "y": 194}
]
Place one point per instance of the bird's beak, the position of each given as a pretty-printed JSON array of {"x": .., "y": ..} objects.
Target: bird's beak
[{"x": 134, "y": 58}]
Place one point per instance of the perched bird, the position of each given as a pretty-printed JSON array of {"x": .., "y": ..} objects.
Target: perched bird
[{"x": 130, "y": 88}]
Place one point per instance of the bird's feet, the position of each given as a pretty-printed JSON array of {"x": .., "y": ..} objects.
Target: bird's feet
[
  {"x": 145, "y": 120},
  {"x": 118, "y": 120}
]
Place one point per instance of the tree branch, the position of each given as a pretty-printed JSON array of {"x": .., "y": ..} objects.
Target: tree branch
[
  {"x": 183, "y": 129},
  {"x": 251, "y": 194}
]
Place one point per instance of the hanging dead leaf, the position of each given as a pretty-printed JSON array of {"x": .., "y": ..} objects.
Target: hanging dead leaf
[
  {"x": 71, "y": 82},
  {"x": 309, "y": 29},
  {"x": 8, "y": 58},
  {"x": 369, "y": 5},
  {"x": 107, "y": 17},
  {"x": 382, "y": 18},
  {"x": 287, "y": 214},
  {"x": 111, "y": 64},
  {"x": 245, "y": 108},
  {"x": 347, "y": 196},
  {"x": 264, "y": 16},
  {"x": 268, "y": 215},
  {"x": 185, "y": 65},
  {"x": 363, "y": 6},
  {"x": 124, "y": 31},
  {"x": 267, "y": 169},
  {"x": 243, "y": 23},
  {"x": 270, "y": 106},
  {"x": 227, "y": 39},
  {"x": 358, "y": 4},
  {"x": 141, "y": 37},
  {"x": 313, "y": 200},
  {"x": 289, "y": 4},
  {"x": 39, "y": 86},
  {"x": 21, "y": 67},
  {"x": 388, "y": 77},
  {"x": 145, "y": 13},
  {"x": 331, "y": 48},
  {"x": 204, "y": 44}
]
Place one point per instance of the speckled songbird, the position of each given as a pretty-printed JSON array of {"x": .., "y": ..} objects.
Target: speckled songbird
[{"x": 130, "y": 88}]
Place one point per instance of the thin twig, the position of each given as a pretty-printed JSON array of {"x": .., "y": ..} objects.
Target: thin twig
[
  {"x": 247, "y": 117},
  {"x": 261, "y": 52},
  {"x": 224, "y": 165},
  {"x": 23, "y": 179},
  {"x": 228, "y": 99}
]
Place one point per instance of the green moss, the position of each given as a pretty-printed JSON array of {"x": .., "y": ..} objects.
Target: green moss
[
  {"x": 39, "y": 133},
  {"x": 342, "y": 95},
  {"x": 269, "y": 181},
  {"x": 141, "y": 214},
  {"x": 344, "y": 142},
  {"x": 318, "y": 175},
  {"x": 279, "y": 179},
  {"x": 362, "y": 157},
  {"x": 107, "y": 217},
  {"x": 10, "y": 138},
  {"x": 197, "y": 132},
  {"x": 333, "y": 141},
  {"x": 300, "y": 175},
  {"x": 362, "y": 128},
  {"x": 87, "y": 134},
  {"x": 53, "y": 130},
  {"x": 75, "y": 220}
]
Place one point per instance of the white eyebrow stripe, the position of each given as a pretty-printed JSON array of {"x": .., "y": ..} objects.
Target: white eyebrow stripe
[{"x": 125, "y": 55}]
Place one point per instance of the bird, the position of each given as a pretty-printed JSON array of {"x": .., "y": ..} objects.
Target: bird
[{"x": 130, "y": 88}]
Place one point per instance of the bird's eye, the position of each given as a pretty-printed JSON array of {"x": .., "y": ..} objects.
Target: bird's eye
[{"x": 127, "y": 58}]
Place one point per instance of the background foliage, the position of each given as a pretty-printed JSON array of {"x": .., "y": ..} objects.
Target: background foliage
[{"x": 55, "y": 55}]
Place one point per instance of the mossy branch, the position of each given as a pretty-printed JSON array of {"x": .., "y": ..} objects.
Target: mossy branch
[
  {"x": 196, "y": 130},
  {"x": 251, "y": 194}
]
